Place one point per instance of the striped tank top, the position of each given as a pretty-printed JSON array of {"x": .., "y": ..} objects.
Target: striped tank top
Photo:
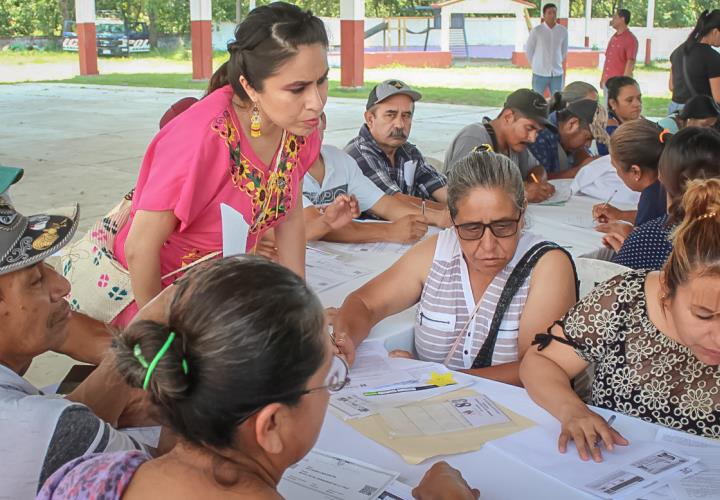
[{"x": 447, "y": 302}]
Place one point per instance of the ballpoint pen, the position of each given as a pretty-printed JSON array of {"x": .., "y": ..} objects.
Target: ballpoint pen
[
  {"x": 423, "y": 205},
  {"x": 609, "y": 422},
  {"x": 399, "y": 390},
  {"x": 534, "y": 177}
]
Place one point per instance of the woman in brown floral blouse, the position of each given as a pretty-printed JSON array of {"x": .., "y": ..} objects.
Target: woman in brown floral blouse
[{"x": 654, "y": 338}]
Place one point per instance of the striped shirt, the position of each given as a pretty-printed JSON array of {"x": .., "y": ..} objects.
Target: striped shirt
[
  {"x": 447, "y": 302},
  {"x": 376, "y": 166}
]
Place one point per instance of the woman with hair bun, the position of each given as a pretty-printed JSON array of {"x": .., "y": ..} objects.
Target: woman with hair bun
[
  {"x": 654, "y": 337},
  {"x": 247, "y": 144},
  {"x": 244, "y": 389}
]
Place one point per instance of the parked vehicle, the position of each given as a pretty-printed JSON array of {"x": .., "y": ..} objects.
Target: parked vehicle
[{"x": 114, "y": 37}]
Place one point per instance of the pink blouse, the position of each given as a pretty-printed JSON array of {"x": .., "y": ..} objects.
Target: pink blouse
[{"x": 202, "y": 159}]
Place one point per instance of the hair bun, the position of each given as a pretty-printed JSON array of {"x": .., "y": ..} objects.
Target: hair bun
[{"x": 701, "y": 200}]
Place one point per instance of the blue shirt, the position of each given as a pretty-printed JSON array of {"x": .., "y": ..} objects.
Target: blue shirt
[
  {"x": 652, "y": 204},
  {"x": 647, "y": 247},
  {"x": 545, "y": 147},
  {"x": 604, "y": 149}
]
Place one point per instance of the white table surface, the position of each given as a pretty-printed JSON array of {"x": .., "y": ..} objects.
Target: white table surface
[{"x": 497, "y": 475}]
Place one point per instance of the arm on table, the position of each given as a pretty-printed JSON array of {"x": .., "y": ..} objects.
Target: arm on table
[
  {"x": 393, "y": 208},
  {"x": 393, "y": 291},
  {"x": 552, "y": 293},
  {"x": 148, "y": 233},
  {"x": 417, "y": 202},
  {"x": 333, "y": 217}
]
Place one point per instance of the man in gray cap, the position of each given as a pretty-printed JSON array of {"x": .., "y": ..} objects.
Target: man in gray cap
[
  {"x": 39, "y": 433},
  {"x": 383, "y": 152}
]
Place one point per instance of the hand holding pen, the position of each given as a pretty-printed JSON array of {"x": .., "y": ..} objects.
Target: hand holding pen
[{"x": 588, "y": 430}]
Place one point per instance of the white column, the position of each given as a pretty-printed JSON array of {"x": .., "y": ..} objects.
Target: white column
[
  {"x": 200, "y": 10},
  {"x": 563, "y": 9},
  {"x": 588, "y": 16},
  {"x": 444, "y": 30},
  {"x": 651, "y": 14},
  {"x": 521, "y": 31},
  {"x": 85, "y": 11}
]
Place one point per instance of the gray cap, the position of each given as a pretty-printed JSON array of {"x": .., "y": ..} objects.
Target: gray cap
[
  {"x": 389, "y": 88},
  {"x": 25, "y": 241}
]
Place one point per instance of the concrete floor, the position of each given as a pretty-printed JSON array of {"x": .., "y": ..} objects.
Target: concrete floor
[{"x": 85, "y": 144}]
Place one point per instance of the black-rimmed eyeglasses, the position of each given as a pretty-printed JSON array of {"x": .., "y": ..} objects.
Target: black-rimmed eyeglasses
[{"x": 503, "y": 228}]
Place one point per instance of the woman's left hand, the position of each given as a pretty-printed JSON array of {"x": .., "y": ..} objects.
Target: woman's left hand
[
  {"x": 621, "y": 228},
  {"x": 614, "y": 241}
]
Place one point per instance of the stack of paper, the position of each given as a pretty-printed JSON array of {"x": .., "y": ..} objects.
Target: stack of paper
[
  {"x": 324, "y": 271},
  {"x": 326, "y": 476},
  {"x": 626, "y": 472}
]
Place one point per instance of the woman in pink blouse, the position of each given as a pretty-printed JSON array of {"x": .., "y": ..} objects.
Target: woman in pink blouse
[{"x": 247, "y": 144}]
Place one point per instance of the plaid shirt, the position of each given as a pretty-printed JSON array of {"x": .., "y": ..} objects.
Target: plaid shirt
[{"x": 376, "y": 166}]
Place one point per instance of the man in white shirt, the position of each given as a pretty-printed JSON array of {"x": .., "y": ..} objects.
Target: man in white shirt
[
  {"x": 336, "y": 174},
  {"x": 546, "y": 50},
  {"x": 40, "y": 433}
]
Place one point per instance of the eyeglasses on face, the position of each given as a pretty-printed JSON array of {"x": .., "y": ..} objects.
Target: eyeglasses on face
[
  {"x": 503, "y": 228},
  {"x": 337, "y": 377}
]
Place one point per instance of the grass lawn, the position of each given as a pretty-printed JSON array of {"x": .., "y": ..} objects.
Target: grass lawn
[{"x": 652, "y": 106}]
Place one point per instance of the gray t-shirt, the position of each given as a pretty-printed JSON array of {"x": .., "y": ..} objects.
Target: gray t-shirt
[
  {"x": 475, "y": 135},
  {"x": 39, "y": 434}
]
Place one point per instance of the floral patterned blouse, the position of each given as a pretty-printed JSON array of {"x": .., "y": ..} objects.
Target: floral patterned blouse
[{"x": 639, "y": 371}]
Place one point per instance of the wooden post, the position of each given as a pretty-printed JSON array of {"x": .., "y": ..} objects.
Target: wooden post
[
  {"x": 201, "y": 35},
  {"x": 352, "y": 43},
  {"x": 87, "y": 43}
]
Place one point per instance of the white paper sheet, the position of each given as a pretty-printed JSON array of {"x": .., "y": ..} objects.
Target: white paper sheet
[
  {"x": 563, "y": 192},
  {"x": 234, "y": 231},
  {"x": 704, "y": 485},
  {"x": 622, "y": 472},
  {"x": 439, "y": 418},
  {"x": 584, "y": 220},
  {"x": 326, "y": 476},
  {"x": 324, "y": 271}
]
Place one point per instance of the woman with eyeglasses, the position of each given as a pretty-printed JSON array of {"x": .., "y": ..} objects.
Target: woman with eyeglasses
[
  {"x": 245, "y": 390},
  {"x": 483, "y": 287}
]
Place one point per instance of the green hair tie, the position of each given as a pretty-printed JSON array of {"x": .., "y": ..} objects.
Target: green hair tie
[{"x": 137, "y": 352}]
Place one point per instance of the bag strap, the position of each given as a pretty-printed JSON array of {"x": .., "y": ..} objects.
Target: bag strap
[
  {"x": 515, "y": 280},
  {"x": 493, "y": 137},
  {"x": 686, "y": 76}
]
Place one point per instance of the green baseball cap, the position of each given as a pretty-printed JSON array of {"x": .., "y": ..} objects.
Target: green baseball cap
[{"x": 9, "y": 176}]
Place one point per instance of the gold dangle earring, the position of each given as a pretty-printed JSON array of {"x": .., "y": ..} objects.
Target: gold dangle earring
[{"x": 255, "y": 122}]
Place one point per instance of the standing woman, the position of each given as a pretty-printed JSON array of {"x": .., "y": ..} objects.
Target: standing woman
[
  {"x": 695, "y": 65},
  {"x": 247, "y": 144}
]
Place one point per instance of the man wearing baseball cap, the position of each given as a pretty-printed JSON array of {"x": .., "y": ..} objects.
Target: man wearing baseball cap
[
  {"x": 576, "y": 125},
  {"x": 41, "y": 433},
  {"x": 524, "y": 115},
  {"x": 383, "y": 152}
]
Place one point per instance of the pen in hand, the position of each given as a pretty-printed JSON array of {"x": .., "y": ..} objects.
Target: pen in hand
[
  {"x": 534, "y": 178},
  {"x": 422, "y": 206}
]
